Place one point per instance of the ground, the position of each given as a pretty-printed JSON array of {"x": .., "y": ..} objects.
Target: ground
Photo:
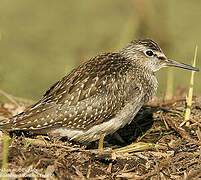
[{"x": 168, "y": 150}]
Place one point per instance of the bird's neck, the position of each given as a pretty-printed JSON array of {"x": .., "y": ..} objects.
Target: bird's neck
[
  {"x": 150, "y": 85},
  {"x": 148, "y": 79}
]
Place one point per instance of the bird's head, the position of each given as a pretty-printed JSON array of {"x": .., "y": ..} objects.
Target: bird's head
[{"x": 147, "y": 54}]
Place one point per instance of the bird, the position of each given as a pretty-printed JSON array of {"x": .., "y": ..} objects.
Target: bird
[{"x": 98, "y": 97}]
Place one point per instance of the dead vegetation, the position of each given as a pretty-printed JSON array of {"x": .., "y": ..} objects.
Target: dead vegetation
[{"x": 175, "y": 154}]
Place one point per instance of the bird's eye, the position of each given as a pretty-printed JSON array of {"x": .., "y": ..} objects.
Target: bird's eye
[{"x": 149, "y": 53}]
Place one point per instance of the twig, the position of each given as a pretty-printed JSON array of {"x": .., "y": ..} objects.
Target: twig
[
  {"x": 24, "y": 100},
  {"x": 43, "y": 143},
  {"x": 78, "y": 172},
  {"x": 180, "y": 130},
  {"x": 88, "y": 171},
  {"x": 9, "y": 97}
]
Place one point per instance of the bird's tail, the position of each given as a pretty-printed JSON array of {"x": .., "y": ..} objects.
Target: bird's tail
[{"x": 5, "y": 124}]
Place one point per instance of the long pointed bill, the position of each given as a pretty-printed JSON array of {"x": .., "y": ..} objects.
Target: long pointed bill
[{"x": 170, "y": 62}]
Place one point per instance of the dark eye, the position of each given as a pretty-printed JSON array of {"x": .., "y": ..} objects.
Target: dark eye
[{"x": 149, "y": 53}]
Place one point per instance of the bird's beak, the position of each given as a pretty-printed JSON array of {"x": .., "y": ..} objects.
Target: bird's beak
[{"x": 169, "y": 62}]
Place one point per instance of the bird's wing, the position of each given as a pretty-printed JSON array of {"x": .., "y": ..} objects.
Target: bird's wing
[{"x": 91, "y": 94}]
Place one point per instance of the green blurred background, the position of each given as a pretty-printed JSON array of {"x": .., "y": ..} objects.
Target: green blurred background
[{"x": 41, "y": 41}]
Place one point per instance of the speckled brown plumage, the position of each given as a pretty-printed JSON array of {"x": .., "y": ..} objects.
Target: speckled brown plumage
[{"x": 98, "y": 97}]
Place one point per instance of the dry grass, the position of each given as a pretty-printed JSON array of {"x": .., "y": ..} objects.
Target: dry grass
[
  {"x": 174, "y": 153},
  {"x": 190, "y": 93}
]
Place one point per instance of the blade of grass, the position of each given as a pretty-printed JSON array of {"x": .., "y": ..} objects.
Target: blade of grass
[
  {"x": 190, "y": 93},
  {"x": 139, "y": 146},
  {"x": 5, "y": 156}
]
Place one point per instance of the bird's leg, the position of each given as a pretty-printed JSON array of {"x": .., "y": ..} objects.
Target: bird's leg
[{"x": 100, "y": 144}]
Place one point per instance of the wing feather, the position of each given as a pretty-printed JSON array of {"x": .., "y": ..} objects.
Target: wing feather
[{"x": 91, "y": 94}]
